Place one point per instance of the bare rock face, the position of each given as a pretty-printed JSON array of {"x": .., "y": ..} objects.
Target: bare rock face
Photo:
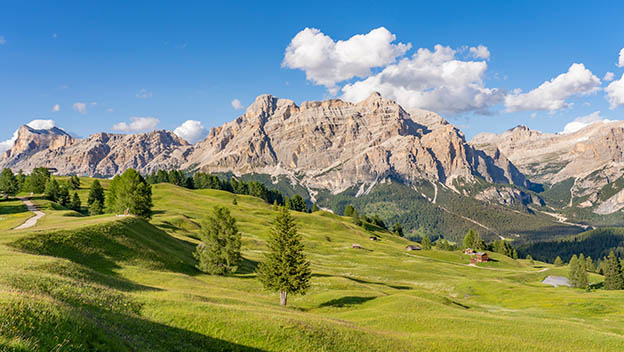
[
  {"x": 592, "y": 156},
  {"x": 335, "y": 145},
  {"x": 102, "y": 154}
]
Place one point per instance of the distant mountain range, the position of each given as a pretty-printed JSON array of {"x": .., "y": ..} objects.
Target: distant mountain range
[{"x": 330, "y": 149}]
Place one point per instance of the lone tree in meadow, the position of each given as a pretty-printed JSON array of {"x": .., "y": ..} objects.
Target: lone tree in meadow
[
  {"x": 426, "y": 242},
  {"x": 613, "y": 274},
  {"x": 9, "y": 185},
  {"x": 218, "y": 252},
  {"x": 578, "y": 272},
  {"x": 558, "y": 261},
  {"x": 95, "y": 202},
  {"x": 285, "y": 268},
  {"x": 130, "y": 191}
]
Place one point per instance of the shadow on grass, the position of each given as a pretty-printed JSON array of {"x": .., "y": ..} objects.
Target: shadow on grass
[
  {"x": 12, "y": 209},
  {"x": 346, "y": 301},
  {"x": 247, "y": 266},
  {"x": 362, "y": 281}
]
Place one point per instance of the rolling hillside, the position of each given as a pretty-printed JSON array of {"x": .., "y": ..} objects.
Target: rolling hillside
[{"x": 121, "y": 283}]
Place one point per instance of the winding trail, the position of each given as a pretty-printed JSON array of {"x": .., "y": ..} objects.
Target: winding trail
[{"x": 32, "y": 220}]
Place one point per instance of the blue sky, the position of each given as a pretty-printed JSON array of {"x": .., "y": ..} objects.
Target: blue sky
[{"x": 105, "y": 63}]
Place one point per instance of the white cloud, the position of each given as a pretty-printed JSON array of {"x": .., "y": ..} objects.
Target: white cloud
[
  {"x": 137, "y": 124},
  {"x": 36, "y": 124},
  {"x": 80, "y": 107},
  {"x": 433, "y": 80},
  {"x": 110, "y": 110},
  {"x": 192, "y": 131},
  {"x": 621, "y": 59},
  {"x": 583, "y": 121},
  {"x": 608, "y": 77},
  {"x": 56, "y": 108},
  {"x": 327, "y": 62},
  {"x": 480, "y": 52},
  {"x": 54, "y": 35},
  {"x": 552, "y": 95},
  {"x": 144, "y": 94},
  {"x": 2, "y": 40},
  {"x": 236, "y": 104},
  {"x": 615, "y": 93}
]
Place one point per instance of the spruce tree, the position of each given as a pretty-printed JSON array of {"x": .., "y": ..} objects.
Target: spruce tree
[
  {"x": 349, "y": 210},
  {"x": 9, "y": 185},
  {"x": 75, "y": 202},
  {"x": 573, "y": 268},
  {"x": 219, "y": 250},
  {"x": 473, "y": 240},
  {"x": 558, "y": 261},
  {"x": 613, "y": 274},
  {"x": 74, "y": 183},
  {"x": 285, "y": 268},
  {"x": 530, "y": 259},
  {"x": 96, "y": 195},
  {"x": 130, "y": 191},
  {"x": 426, "y": 242},
  {"x": 582, "y": 281},
  {"x": 52, "y": 190}
]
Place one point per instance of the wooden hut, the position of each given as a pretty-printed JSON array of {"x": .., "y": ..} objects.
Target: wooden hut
[
  {"x": 356, "y": 246},
  {"x": 412, "y": 247},
  {"x": 479, "y": 257},
  {"x": 373, "y": 238}
]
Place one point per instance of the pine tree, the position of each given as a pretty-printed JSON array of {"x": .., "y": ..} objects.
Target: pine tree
[
  {"x": 96, "y": 208},
  {"x": 75, "y": 202},
  {"x": 530, "y": 259},
  {"x": 582, "y": 281},
  {"x": 130, "y": 191},
  {"x": 473, "y": 240},
  {"x": 349, "y": 210},
  {"x": 275, "y": 205},
  {"x": 52, "y": 190},
  {"x": 63, "y": 196},
  {"x": 95, "y": 202},
  {"x": 74, "y": 183},
  {"x": 558, "y": 261},
  {"x": 613, "y": 274},
  {"x": 398, "y": 229},
  {"x": 21, "y": 180},
  {"x": 426, "y": 242},
  {"x": 573, "y": 268},
  {"x": 589, "y": 265},
  {"x": 285, "y": 268},
  {"x": 219, "y": 250}
]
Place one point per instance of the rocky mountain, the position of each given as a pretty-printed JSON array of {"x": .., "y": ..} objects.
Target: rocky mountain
[
  {"x": 101, "y": 154},
  {"x": 588, "y": 161},
  {"x": 334, "y": 145}
]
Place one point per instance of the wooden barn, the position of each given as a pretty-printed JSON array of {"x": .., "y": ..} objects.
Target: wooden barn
[
  {"x": 412, "y": 247},
  {"x": 356, "y": 246},
  {"x": 479, "y": 257},
  {"x": 373, "y": 238}
]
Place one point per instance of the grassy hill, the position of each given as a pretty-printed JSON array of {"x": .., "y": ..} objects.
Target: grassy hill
[{"x": 113, "y": 283}]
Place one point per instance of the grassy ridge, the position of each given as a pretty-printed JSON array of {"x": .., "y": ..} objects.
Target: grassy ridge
[{"x": 113, "y": 283}]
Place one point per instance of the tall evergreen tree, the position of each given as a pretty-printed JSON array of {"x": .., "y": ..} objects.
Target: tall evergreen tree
[
  {"x": 573, "y": 268},
  {"x": 472, "y": 240},
  {"x": 74, "y": 182},
  {"x": 349, "y": 210},
  {"x": 21, "y": 180},
  {"x": 52, "y": 190},
  {"x": 613, "y": 274},
  {"x": 558, "y": 261},
  {"x": 426, "y": 242},
  {"x": 398, "y": 229},
  {"x": 219, "y": 250},
  {"x": 285, "y": 268},
  {"x": 37, "y": 180},
  {"x": 530, "y": 259},
  {"x": 130, "y": 191},
  {"x": 582, "y": 281},
  {"x": 75, "y": 202}
]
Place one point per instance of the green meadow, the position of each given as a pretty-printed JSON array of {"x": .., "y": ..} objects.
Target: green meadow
[{"x": 74, "y": 283}]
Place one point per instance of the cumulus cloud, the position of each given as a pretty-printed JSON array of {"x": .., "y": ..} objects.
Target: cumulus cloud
[
  {"x": 236, "y": 104},
  {"x": 327, "y": 62},
  {"x": 552, "y": 95},
  {"x": 144, "y": 94},
  {"x": 56, "y": 108},
  {"x": 80, "y": 107},
  {"x": 615, "y": 93},
  {"x": 621, "y": 59},
  {"x": 191, "y": 130},
  {"x": 583, "y": 121},
  {"x": 608, "y": 77},
  {"x": 36, "y": 124},
  {"x": 2, "y": 40},
  {"x": 433, "y": 80},
  {"x": 480, "y": 52},
  {"x": 137, "y": 124}
]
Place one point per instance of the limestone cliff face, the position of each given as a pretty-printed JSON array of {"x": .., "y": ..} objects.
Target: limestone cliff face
[
  {"x": 335, "y": 144},
  {"x": 592, "y": 156},
  {"x": 100, "y": 154}
]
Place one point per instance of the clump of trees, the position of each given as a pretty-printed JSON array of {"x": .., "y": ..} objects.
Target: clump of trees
[
  {"x": 9, "y": 185},
  {"x": 218, "y": 252},
  {"x": 58, "y": 192},
  {"x": 285, "y": 268},
  {"x": 363, "y": 220},
  {"x": 473, "y": 240},
  {"x": 130, "y": 191},
  {"x": 426, "y": 243},
  {"x": 613, "y": 273},
  {"x": 578, "y": 272}
]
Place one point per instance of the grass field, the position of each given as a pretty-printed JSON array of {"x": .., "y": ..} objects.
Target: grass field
[{"x": 74, "y": 282}]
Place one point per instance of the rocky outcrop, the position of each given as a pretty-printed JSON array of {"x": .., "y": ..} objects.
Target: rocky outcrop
[
  {"x": 335, "y": 144},
  {"x": 102, "y": 154}
]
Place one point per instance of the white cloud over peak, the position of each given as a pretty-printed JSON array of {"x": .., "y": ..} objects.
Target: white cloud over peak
[
  {"x": 56, "y": 108},
  {"x": 80, "y": 107},
  {"x": 236, "y": 104},
  {"x": 327, "y": 62},
  {"x": 480, "y": 52},
  {"x": 144, "y": 94},
  {"x": 434, "y": 80},
  {"x": 615, "y": 93},
  {"x": 581, "y": 122},
  {"x": 621, "y": 59},
  {"x": 137, "y": 124},
  {"x": 552, "y": 95},
  {"x": 608, "y": 77},
  {"x": 36, "y": 124},
  {"x": 192, "y": 131}
]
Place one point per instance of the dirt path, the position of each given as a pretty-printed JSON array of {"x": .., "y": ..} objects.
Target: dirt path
[{"x": 32, "y": 220}]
